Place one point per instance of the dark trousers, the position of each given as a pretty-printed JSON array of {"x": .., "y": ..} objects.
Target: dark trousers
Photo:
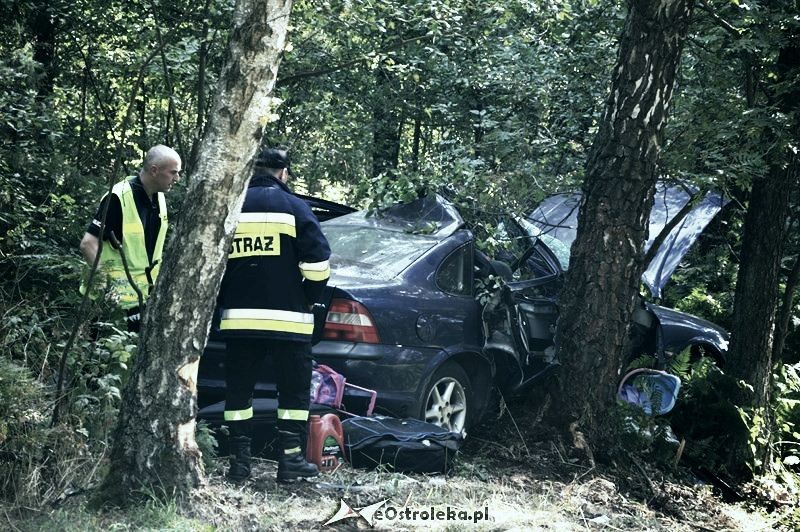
[{"x": 292, "y": 373}]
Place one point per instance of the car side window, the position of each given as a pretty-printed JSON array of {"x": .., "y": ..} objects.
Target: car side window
[{"x": 455, "y": 273}]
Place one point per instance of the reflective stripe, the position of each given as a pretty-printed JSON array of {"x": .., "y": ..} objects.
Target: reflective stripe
[
  {"x": 267, "y": 224},
  {"x": 293, "y": 450},
  {"x": 274, "y": 217},
  {"x": 293, "y": 415},
  {"x": 261, "y": 319},
  {"x": 267, "y": 325},
  {"x": 316, "y": 271},
  {"x": 267, "y": 314},
  {"x": 238, "y": 415},
  {"x": 257, "y": 228}
]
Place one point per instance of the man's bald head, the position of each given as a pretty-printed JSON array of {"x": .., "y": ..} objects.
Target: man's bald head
[
  {"x": 158, "y": 155},
  {"x": 161, "y": 169}
]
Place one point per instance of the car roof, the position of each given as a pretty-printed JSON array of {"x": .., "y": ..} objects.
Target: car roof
[{"x": 431, "y": 215}]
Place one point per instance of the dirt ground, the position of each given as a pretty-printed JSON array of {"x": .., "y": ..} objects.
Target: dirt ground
[
  {"x": 511, "y": 474},
  {"x": 505, "y": 478}
]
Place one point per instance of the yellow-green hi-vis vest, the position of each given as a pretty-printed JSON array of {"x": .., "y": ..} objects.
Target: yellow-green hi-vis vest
[{"x": 135, "y": 249}]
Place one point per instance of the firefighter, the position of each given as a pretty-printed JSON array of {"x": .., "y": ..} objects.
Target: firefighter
[
  {"x": 137, "y": 219},
  {"x": 277, "y": 269}
]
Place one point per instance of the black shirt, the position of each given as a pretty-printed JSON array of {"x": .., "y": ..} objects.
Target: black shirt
[{"x": 148, "y": 213}]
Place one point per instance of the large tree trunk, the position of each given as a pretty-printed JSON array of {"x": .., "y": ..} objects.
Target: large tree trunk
[
  {"x": 750, "y": 355},
  {"x": 154, "y": 444},
  {"x": 606, "y": 265},
  {"x": 755, "y": 299},
  {"x": 765, "y": 224}
]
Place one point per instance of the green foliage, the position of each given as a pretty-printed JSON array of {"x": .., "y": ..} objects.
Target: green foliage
[
  {"x": 466, "y": 86},
  {"x": 635, "y": 434},
  {"x": 492, "y": 104},
  {"x": 786, "y": 412},
  {"x": 709, "y": 422},
  {"x": 97, "y": 373},
  {"x": 21, "y": 401},
  {"x": 701, "y": 303},
  {"x": 207, "y": 443},
  {"x": 708, "y": 419},
  {"x": 154, "y": 514},
  {"x": 37, "y": 462},
  {"x": 705, "y": 288},
  {"x": 681, "y": 366},
  {"x": 643, "y": 361},
  {"x": 385, "y": 190}
]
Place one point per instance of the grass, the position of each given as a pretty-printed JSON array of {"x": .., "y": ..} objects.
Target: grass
[
  {"x": 517, "y": 500},
  {"x": 526, "y": 482}
]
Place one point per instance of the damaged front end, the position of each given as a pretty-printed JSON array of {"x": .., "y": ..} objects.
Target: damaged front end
[{"x": 519, "y": 323}]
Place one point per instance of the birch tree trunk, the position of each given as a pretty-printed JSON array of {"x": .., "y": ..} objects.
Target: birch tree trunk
[
  {"x": 606, "y": 265},
  {"x": 154, "y": 446}
]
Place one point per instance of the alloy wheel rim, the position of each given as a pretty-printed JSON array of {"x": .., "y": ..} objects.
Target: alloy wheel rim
[{"x": 446, "y": 405}]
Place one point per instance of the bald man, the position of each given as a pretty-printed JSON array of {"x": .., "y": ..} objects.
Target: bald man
[{"x": 137, "y": 220}]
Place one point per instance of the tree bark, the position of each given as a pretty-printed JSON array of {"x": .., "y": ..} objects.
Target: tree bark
[
  {"x": 756, "y": 296},
  {"x": 154, "y": 446},
  {"x": 750, "y": 358},
  {"x": 385, "y": 127},
  {"x": 755, "y": 299},
  {"x": 785, "y": 312},
  {"x": 44, "y": 45},
  {"x": 415, "y": 144},
  {"x": 606, "y": 265}
]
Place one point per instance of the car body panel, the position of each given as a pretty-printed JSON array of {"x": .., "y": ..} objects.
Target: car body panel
[
  {"x": 681, "y": 330},
  {"x": 413, "y": 268},
  {"x": 558, "y": 217}
]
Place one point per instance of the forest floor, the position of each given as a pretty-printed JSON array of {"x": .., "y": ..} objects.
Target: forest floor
[{"x": 505, "y": 478}]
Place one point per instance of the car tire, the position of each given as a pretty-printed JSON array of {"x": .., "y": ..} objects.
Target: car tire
[{"x": 445, "y": 400}]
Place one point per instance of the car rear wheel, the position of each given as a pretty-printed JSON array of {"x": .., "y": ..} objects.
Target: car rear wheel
[{"x": 444, "y": 401}]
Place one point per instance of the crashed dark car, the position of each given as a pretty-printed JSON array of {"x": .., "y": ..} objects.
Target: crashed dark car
[{"x": 403, "y": 317}]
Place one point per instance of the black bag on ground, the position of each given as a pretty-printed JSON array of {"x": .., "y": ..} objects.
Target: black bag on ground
[{"x": 405, "y": 445}]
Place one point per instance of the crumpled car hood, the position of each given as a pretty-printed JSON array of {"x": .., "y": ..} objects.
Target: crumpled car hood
[{"x": 557, "y": 216}]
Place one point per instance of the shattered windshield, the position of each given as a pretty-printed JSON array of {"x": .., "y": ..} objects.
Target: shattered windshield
[
  {"x": 559, "y": 248},
  {"x": 373, "y": 252},
  {"x": 557, "y": 217}
]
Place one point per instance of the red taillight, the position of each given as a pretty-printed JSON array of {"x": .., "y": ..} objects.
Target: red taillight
[{"x": 349, "y": 321}]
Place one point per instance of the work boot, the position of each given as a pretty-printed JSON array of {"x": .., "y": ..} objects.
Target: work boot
[
  {"x": 291, "y": 464},
  {"x": 240, "y": 459}
]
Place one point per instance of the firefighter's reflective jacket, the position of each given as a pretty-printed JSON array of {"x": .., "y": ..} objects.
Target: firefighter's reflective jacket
[
  {"x": 142, "y": 270},
  {"x": 277, "y": 266}
]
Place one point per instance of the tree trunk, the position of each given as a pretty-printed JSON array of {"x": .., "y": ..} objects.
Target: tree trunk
[
  {"x": 44, "y": 45},
  {"x": 385, "y": 126},
  {"x": 785, "y": 313},
  {"x": 765, "y": 223},
  {"x": 756, "y": 294},
  {"x": 606, "y": 265},
  {"x": 415, "y": 144},
  {"x": 750, "y": 355},
  {"x": 202, "y": 60},
  {"x": 154, "y": 446}
]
